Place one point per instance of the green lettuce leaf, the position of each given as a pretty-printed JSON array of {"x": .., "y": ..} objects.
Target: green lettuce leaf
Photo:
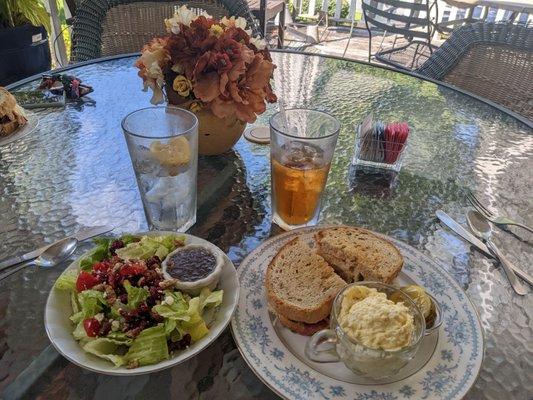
[
  {"x": 119, "y": 338},
  {"x": 91, "y": 303},
  {"x": 107, "y": 349},
  {"x": 149, "y": 347},
  {"x": 67, "y": 280},
  {"x": 149, "y": 246},
  {"x": 136, "y": 295},
  {"x": 182, "y": 316},
  {"x": 74, "y": 303},
  {"x": 209, "y": 299},
  {"x": 114, "y": 310},
  {"x": 80, "y": 334},
  {"x": 99, "y": 253},
  {"x": 170, "y": 326},
  {"x": 178, "y": 310},
  {"x": 127, "y": 239}
]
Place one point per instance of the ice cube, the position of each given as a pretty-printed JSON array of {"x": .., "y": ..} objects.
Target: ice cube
[{"x": 169, "y": 190}]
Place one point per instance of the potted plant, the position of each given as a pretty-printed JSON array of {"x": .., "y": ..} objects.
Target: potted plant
[
  {"x": 214, "y": 68},
  {"x": 24, "y": 48}
]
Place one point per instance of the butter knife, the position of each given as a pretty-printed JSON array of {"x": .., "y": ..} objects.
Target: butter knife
[
  {"x": 469, "y": 237},
  {"x": 82, "y": 235}
]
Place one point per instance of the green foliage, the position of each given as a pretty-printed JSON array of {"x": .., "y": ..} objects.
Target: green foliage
[{"x": 19, "y": 12}]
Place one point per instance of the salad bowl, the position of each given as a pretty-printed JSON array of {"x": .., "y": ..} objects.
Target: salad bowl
[{"x": 59, "y": 326}]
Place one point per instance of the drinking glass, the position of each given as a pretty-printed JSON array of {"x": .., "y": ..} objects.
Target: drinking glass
[
  {"x": 163, "y": 146},
  {"x": 301, "y": 148}
]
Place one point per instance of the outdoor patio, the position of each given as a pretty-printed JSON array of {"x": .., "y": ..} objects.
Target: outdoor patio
[{"x": 333, "y": 41}]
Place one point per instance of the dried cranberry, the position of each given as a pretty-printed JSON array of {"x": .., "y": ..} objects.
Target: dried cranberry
[
  {"x": 117, "y": 244},
  {"x": 123, "y": 298},
  {"x": 143, "y": 308},
  {"x": 181, "y": 344},
  {"x": 153, "y": 262},
  {"x": 155, "y": 291},
  {"x": 105, "y": 328},
  {"x": 156, "y": 317}
]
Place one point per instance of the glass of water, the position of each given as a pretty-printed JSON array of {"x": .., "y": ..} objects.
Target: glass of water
[{"x": 163, "y": 146}]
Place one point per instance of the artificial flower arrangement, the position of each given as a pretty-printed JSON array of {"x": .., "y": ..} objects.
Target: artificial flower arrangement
[{"x": 214, "y": 68}]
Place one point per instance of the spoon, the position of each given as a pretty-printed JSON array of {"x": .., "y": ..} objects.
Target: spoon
[
  {"x": 482, "y": 229},
  {"x": 53, "y": 255}
]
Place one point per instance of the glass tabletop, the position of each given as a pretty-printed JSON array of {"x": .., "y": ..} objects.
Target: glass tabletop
[{"x": 74, "y": 171}]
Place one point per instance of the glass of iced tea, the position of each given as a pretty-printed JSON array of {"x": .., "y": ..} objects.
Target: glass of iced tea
[{"x": 301, "y": 148}]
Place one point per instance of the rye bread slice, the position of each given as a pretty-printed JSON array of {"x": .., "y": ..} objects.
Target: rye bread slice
[
  {"x": 300, "y": 284},
  {"x": 357, "y": 254},
  {"x": 302, "y": 328}
]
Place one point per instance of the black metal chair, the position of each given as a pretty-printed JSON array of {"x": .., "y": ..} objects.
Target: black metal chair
[
  {"x": 267, "y": 10},
  {"x": 410, "y": 19},
  {"x": 492, "y": 60},
  {"x": 110, "y": 27}
]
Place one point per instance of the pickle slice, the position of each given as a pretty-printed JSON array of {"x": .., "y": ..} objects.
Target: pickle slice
[{"x": 420, "y": 298}]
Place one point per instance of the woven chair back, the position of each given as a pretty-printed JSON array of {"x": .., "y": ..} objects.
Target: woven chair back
[
  {"x": 111, "y": 27},
  {"x": 491, "y": 60},
  {"x": 128, "y": 27},
  {"x": 497, "y": 72}
]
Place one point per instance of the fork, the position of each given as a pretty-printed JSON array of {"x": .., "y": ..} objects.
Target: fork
[{"x": 490, "y": 216}]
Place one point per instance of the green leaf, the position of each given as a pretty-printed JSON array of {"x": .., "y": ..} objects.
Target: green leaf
[
  {"x": 127, "y": 239},
  {"x": 170, "y": 326},
  {"x": 67, "y": 281},
  {"x": 19, "y": 12},
  {"x": 107, "y": 349},
  {"x": 149, "y": 246},
  {"x": 119, "y": 338},
  {"x": 136, "y": 295},
  {"x": 149, "y": 347},
  {"x": 74, "y": 303},
  {"x": 114, "y": 310},
  {"x": 91, "y": 303},
  {"x": 209, "y": 299},
  {"x": 178, "y": 310},
  {"x": 79, "y": 333},
  {"x": 99, "y": 253}
]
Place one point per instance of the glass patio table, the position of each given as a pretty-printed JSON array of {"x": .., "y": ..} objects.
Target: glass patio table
[{"x": 74, "y": 171}]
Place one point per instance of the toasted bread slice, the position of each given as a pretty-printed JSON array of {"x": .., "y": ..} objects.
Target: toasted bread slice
[
  {"x": 300, "y": 285},
  {"x": 302, "y": 328},
  {"x": 12, "y": 116},
  {"x": 357, "y": 254}
]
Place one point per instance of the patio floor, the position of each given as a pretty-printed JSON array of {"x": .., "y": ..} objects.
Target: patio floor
[{"x": 333, "y": 41}]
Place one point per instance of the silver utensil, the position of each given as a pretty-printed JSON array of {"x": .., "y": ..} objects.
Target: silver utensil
[
  {"x": 53, "y": 255},
  {"x": 469, "y": 237},
  {"x": 498, "y": 220},
  {"x": 82, "y": 235},
  {"x": 481, "y": 228}
]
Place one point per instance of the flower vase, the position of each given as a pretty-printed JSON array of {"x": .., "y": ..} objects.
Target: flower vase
[{"x": 215, "y": 135}]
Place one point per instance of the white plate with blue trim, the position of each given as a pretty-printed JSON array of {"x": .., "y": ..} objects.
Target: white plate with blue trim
[{"x": 445, "y": 366}]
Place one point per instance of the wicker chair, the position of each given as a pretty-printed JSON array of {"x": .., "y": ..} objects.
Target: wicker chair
[
  {"x": 109, "y": 27},
  {"x": 491, "y": 60}
]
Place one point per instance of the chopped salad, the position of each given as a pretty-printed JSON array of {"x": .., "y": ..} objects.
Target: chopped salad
[{"x": 123, "y": 308}]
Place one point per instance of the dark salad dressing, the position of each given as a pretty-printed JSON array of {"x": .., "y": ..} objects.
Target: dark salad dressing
[{"x": 192, "y": 264}]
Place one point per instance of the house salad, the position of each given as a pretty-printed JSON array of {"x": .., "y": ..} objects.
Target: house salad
[{"x": 124, "y": 309}]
